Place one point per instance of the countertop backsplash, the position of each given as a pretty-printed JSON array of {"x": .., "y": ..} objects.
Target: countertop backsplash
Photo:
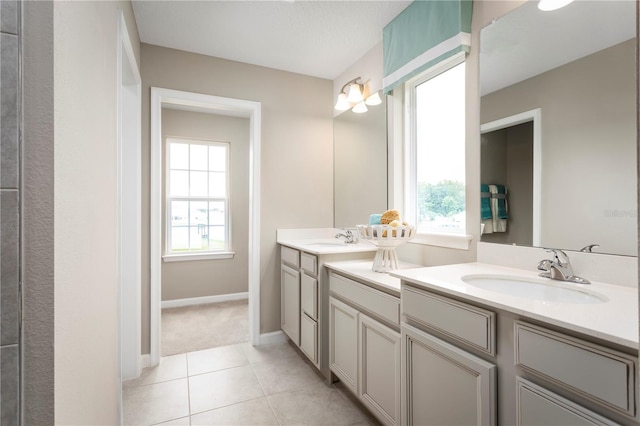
[{"x": 606, "y": 268}]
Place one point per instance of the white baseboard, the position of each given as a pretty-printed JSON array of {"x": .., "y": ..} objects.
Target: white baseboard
[
  {"x": 145, "y": 361},
  {"x": 265, "y": 339},
  {"x": 273, "y": 337},
  {"x": 177, "y": 303}
]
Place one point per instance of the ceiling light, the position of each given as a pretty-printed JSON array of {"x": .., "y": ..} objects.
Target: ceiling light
[
  {"x": 360, "y": 108},
  {"x": 373, "y": 99},
  {"x": 548, "y": 5}
]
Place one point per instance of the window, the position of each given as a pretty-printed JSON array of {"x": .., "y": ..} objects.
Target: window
[
  {"x": 197, "y": 197},
  {"x": 435, "y": 114}
]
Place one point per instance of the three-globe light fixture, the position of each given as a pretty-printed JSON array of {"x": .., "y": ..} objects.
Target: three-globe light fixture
[{"x": 354, "y": 95}]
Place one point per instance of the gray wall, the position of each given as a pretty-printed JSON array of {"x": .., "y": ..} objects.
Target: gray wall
[
  {"x": 10, "y": 196},
  {"x": 507, "y": 159},
  {"x": 588, "y": 147},
  {"x": 296, "y": 158},
  {"x": 186, "y": 279}
]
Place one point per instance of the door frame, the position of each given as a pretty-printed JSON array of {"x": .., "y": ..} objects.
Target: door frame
[
  {"x": 213, "y": 105},
  {"x": 129, "y": 204},
  {"x": 535, "y": 116}
]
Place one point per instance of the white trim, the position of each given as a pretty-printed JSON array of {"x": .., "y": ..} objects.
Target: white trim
[
  {"x": 460, "y": 39},
  {"x": 129, "y": 204},
  {"x": 213, "y": 105},
  {"x": 454, "y": 241},
  {"x": 409, "y": 145},
  {"x": 272, "y": 338},
  {"x": 534, "y": 115},
  {"x": 198, "y": 256},
  {"x": 192, "y": 301}
]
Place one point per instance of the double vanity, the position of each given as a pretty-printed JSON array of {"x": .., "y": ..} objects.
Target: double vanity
[{"x": 471, "y": 343}]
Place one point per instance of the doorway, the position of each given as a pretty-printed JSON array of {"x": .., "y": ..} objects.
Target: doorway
[
  {"x": 534, "y": 117},
  {"x": 197, "y": 102},
  {"x": 129, "y": 190},
  {"x": 206, "y": 208}
]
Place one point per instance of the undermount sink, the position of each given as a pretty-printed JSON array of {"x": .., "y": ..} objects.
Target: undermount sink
[
  {"x": 327, "y": 244},
  {"x": 545, "y": 290}
]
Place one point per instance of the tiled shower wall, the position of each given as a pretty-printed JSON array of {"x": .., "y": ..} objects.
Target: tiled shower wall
[{"x": 9, "y": 213}]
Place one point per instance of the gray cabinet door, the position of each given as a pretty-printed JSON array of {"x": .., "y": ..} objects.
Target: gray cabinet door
[
  {"x": 379, "y": 355},
  {"x": 444, "y": 385},
  {"x": 309, "y": 337},
  {"x": 290, "y": 303},
  {"x": 343, "y": 343},
  {"x": 537, "y": 406}
]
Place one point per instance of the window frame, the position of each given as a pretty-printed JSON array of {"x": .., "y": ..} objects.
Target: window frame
[
  {"x": 224, "y": 253},
  {"x": 408, "y": 174}
]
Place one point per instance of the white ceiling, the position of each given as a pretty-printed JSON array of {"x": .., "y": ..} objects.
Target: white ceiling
[
  {"x": 528, "y": 42},
  {"x": 312, "y": 37}
]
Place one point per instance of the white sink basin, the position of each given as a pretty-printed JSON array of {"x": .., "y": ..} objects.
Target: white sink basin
[
  {"x": 545, "y": 290},
  {"x": 336, "y": 243}
]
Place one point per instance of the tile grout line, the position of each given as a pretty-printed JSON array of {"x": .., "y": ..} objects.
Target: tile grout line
[
  {"x": 186, "y": 359},
  {"x": 266, "y": 397},
  {"x": 248, "y": 363}
]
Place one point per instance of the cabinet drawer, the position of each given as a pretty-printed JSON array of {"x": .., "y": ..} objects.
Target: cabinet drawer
[
  {"x": 370, "y": 300},
  {"x": 309, "y": 263},
  {"x": 536, "y": 405},
  {"x": 290, "y": 256},
  {"x": 464, "y": 323},
  {"x": 309, "y": 337},
  {"x": 309, "y": 296},
  {"x": 601, "y": 374}
]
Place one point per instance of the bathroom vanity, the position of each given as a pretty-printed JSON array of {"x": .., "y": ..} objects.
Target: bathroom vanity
[
  {"x": 304, "y": 291},
  {"x": 483, "y": 344},
  {"x": 364, "y": 335},
  {"x": 471, "y": 355}
]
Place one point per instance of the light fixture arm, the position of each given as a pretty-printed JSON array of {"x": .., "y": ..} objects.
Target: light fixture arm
[{"x": 349, "y": 83}]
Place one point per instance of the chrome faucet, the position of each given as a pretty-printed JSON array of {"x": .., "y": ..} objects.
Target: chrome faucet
[
  {"x": 559, "y": 268},
  {"x": 589, "y": 248},
  {"x": 348, "y": 236}
]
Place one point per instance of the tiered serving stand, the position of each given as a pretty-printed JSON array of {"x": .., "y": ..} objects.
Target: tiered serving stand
[{"x": 387, "y": 238}]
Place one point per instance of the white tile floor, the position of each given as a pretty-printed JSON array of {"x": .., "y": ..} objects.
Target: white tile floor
[{"x": 239, "y": 385}]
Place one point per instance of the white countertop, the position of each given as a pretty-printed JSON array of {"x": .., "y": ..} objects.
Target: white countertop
[
  {"x": 322, "y": 246},
  {"x": 363, "y": 270},
  {"x": 320, "y": 241},
  {"x": 615, "y": 320}
]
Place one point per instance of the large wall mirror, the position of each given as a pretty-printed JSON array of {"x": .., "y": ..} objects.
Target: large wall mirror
[
  {"x": 360, "y": 161},
  {"x": 559, "y": 131}
]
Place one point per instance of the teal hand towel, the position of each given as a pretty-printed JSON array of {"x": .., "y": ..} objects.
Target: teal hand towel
[
  {"x": 374, "y": 219},
  {"x": 485, "y": 202}
]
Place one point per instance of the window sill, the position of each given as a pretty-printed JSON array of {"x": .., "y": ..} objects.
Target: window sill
[
  {"x": 459, "y": 242},
  {"x": 198, "y": 256}
]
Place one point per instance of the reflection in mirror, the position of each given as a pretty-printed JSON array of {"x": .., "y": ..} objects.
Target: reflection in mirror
[
  {"x": 577, "y": 66},
  {"x": 360, "y": 165}
]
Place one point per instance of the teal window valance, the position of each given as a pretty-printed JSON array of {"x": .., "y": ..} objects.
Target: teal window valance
[{"x": 422, "y": 35}]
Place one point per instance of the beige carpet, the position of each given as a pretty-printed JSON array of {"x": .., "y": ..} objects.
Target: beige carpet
[{"x": 193, "y": 328}]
